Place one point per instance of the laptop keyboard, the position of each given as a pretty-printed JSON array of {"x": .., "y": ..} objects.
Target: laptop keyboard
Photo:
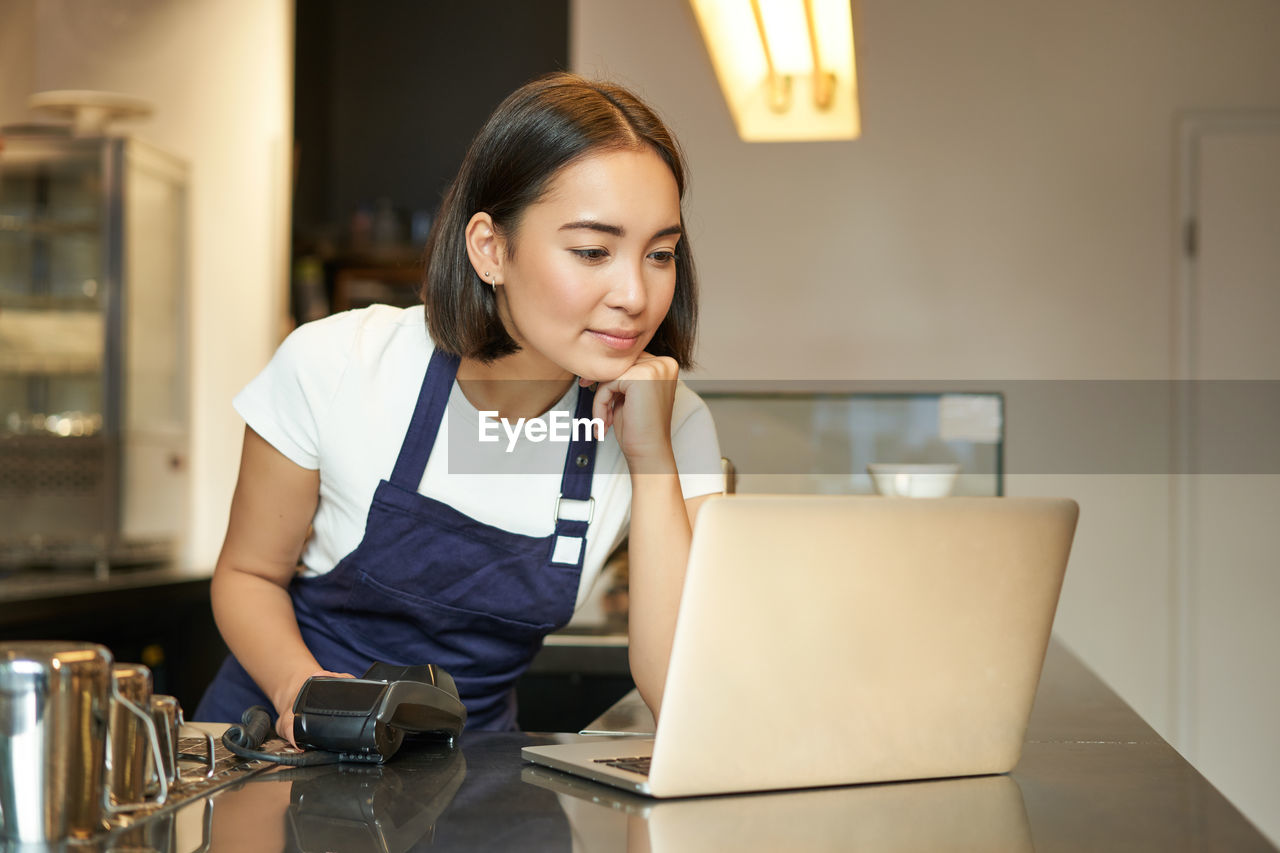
[{"x": 639, "y": 764}]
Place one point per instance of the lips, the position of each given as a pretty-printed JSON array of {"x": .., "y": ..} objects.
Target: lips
[{"x": 619, "y": 339}]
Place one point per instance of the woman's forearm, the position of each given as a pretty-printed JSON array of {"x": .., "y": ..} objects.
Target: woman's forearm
[
  {"x": 255, "y": 616},
  {"x": 271, "y": 512},
  {"x": 658, "y": 550}
]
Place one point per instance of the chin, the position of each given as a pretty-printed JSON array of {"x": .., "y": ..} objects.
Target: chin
[
  {"x": 599, "y": 376},
  {"x": 605, "y": 371}
]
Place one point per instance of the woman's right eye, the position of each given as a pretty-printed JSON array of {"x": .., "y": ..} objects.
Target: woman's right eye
[{"x": 596, "y": 254}]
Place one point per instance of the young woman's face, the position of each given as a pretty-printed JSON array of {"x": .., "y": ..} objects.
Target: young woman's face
[{"x": 593, "y": 268}]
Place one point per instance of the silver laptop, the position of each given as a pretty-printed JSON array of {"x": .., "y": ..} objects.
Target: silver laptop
[{"x": 833, "y": 640}]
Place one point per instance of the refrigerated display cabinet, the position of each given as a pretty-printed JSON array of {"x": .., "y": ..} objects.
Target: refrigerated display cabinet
[{"x": 94, "y": 419}]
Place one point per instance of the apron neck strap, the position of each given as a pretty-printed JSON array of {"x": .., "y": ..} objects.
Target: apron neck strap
[
  {"x": 580, "y": 462},
  {"x": 427, "y": 414},
  {"x": 575, "y": 507},
  {"x": 437, "y": 385}
]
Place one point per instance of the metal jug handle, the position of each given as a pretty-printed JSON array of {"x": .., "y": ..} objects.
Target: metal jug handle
[
  {"x": 149, "y": 725},
  {"x": 206, "y": 825},
  {"x": 208, "y": 741},
  {"x": 209, "y": 745}
]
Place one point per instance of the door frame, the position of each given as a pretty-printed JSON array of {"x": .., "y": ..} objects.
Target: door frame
[{"x": 1191, "y": 129}]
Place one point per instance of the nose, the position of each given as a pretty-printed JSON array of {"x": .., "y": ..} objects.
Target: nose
[{"x": 629, "y": 292}]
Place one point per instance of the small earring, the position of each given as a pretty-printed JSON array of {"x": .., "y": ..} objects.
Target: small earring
[{"x": 493, "y": 284}]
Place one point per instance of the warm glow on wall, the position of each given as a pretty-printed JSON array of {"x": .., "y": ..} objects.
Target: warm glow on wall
[{"x": 786, "y": 67}]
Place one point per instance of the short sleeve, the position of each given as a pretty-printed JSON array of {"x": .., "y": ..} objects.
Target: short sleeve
[
  {"x": 697, "y": 450},
  {"x": 286, "y": 402}
]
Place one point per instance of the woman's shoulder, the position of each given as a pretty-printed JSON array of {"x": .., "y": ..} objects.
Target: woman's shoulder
[
  {"x": 687, "y": 404},
  {"x": 696, "y": 445},
  {"x": 363, "y": 335},
  {"x": 372, "y": 325}
]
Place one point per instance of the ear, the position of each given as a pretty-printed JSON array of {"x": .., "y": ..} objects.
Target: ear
[{"x": 486, "y": 248}]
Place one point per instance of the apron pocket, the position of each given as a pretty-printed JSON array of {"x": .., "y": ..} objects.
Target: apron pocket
[
  {"x": 440, "y": 555},
  {"x": 424, "y": 631}
]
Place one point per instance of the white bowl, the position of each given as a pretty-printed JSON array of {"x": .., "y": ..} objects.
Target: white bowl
[{"x": 913, "y": 481}]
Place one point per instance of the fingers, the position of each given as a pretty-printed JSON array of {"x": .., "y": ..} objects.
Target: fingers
[
  {"x": 602, "y": 405},
  {"x": 284, "y": 722},
  {"x": 609, "y": 395},
  {"x": 652, "y": 380}
]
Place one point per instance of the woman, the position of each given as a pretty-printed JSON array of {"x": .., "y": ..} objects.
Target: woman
[{"x": 558, "y": 280}]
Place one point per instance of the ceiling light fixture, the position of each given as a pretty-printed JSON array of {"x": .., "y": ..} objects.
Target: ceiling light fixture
[{"x": 786, "y": 67}]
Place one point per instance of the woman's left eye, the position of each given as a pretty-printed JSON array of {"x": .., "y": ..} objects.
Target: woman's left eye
[{"x": 664, "y": 256}]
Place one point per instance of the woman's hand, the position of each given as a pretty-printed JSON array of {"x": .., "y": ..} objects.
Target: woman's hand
[
  {"x": 638, "y": 406},
  {"x": 284, "y": 723}
]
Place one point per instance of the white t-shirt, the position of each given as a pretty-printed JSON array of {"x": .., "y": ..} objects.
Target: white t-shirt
[{"x": 338, "y": 397}]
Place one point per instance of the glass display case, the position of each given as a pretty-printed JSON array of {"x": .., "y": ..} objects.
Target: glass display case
[
  {"x": 794, "y": 440},
  {"x": 93, "y": 351}
]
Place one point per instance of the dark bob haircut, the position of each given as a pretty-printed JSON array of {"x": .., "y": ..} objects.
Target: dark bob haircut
[{"x": 538, "y": 130}]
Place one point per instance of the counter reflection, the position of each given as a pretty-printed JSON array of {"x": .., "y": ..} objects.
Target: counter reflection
[
  {"x": 971, "y": 814},
  {"x": 381, "y": 808}
]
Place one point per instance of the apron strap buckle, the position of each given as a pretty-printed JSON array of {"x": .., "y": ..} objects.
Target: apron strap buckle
[{"x": 578, "y": 510}]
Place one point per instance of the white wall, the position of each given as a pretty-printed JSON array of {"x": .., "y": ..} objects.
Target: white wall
[
  {"x": 1009, "y": 213},
  {"x": 220, "y": 73}
]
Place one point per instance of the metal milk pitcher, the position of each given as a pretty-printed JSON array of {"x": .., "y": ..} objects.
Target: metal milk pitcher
[
  {"x": 135, "y": 756},
  {"x": 166, "y": 713},
  {"x": 55, "y": 702}
]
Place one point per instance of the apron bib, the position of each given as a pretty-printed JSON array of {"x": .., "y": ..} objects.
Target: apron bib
[{"x": 429, "y": 584}]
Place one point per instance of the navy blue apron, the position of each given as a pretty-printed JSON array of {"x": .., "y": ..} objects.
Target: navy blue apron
[{"x": 428, "y": 584}]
